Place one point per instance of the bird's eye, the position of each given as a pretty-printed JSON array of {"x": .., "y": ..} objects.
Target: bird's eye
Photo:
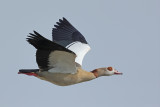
[{"x": 110, "y": 68}]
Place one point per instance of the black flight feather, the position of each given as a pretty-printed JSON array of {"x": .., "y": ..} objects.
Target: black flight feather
[
  {"x": 64, "y": 33},
  {"x": 44, "y": 48}
]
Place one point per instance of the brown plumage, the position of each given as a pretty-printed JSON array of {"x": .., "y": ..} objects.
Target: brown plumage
[{"x": 60, "y": 60}]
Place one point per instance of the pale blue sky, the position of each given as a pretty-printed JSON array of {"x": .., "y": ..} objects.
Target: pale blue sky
[{"x": 124, "y": 34}]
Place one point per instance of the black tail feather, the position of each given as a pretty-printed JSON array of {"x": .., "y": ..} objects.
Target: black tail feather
[{"x": 28, "y": 70}]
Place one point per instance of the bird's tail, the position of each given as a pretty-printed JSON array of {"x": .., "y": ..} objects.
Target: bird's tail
[{"x": 30, "y": 72}]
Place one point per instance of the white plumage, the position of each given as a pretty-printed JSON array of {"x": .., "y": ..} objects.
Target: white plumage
[{"x": 80, "y": 49}]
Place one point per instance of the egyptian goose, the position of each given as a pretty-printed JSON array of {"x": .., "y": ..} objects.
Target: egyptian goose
[{"x": 60, "y": 60}]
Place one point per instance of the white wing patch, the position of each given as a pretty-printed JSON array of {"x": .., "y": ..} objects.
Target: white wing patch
[
  {"x": 62, "y": 62},
  {"x": 80, "y": 49}
]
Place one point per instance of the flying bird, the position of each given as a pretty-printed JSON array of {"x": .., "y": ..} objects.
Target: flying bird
[{"x": 60, "y": 60}]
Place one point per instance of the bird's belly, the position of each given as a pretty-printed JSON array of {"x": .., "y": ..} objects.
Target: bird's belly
[{"x": 59, "y": 78}]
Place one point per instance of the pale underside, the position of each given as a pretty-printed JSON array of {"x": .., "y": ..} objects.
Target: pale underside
[{"x": 64, "y": 79}]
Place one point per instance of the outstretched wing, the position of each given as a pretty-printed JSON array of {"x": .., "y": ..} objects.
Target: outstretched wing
[
  {"x": 52, "y": 57},
  {"x": 68, "y": 36}
]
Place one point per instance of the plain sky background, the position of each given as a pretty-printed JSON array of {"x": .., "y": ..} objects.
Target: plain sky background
[{"x": 124, "y": 34}]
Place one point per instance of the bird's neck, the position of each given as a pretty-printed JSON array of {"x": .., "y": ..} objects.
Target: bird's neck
[
  {"x": 83, "y": 75},
  {"x": 95, "y": 73},
  {"x": 98, "y": 72}
]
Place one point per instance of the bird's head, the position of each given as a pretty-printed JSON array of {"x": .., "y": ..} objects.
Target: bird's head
[{"x": 106, "y": 71}]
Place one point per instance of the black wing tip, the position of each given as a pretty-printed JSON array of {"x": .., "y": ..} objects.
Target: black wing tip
[
  {"x": 34, "y": 35},
  {"x": 61, "y": 23},
  {"x": 64, "y": 30},
  {"x": 64, "y": 19},
  {"x": 40, "y": 42},
  {"x": 34, "y": 31},
  {"x": 35, "y": 39}
]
